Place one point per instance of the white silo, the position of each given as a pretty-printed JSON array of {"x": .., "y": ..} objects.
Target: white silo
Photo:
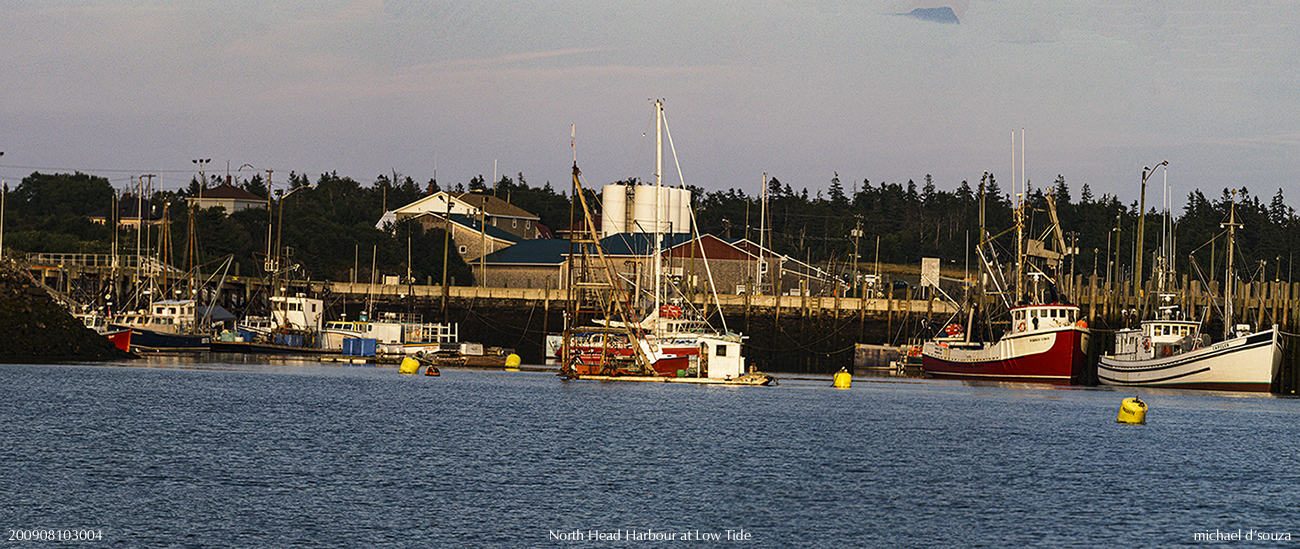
[
  {"x": 613, "y": 202},
  {"x": 643, "y": 209}
]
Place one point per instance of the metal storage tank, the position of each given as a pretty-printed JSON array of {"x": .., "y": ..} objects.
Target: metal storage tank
[
  {"x": 613, "y": 204},
  {"x": 643, "y": 209}
]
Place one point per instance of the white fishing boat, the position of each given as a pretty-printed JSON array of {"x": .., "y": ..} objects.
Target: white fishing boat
[
  {"x": 1171, "y": 350},
  {"x": 394, "y": 333}
]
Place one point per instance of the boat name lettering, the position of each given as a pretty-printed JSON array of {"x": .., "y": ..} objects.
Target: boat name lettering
[{"x": 1219, "y": 345}]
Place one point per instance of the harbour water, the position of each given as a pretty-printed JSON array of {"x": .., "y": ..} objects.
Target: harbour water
[{"x": 295, "y": 454}]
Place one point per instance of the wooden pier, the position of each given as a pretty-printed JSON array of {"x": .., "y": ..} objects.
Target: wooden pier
[{"x": 809, "y": 333}]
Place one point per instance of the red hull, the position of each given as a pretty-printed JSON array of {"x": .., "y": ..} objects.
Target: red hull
[
  {"x": 1062, "y": 364},
  {"x": 120, "y": 339}
]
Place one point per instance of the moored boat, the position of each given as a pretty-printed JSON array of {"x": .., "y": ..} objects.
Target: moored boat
[
  {"x": 1171, "y": 351},
  {"x": 120, "y": 336},
  {"x": 1048, "y": 344},
  {"x": 603, "y": 341},
  {"x": 1157, "y": 356},
  {"x": 168, "y": 326},
  {"x": 1045, "y": 342}
]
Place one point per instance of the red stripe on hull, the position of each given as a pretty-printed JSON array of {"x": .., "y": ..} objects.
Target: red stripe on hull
[{"x": 1062, "y": 364}]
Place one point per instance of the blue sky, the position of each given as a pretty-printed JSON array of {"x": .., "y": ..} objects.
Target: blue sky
[{"x": 797, "y": 89}]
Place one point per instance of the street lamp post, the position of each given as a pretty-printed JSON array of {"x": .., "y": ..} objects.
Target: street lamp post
[
  {"x": 1142, "y": 216},
  {"x": 201, "y": 162},
  {"x": 3, "y": 192}
]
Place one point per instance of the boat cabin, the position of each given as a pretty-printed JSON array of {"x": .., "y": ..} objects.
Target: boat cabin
[
  {"x": 1041, "y": 318},
  {"x": 172, "y": 316},
  {"x": 1157, "y": 339},
  {"x": 297, "y": 313}
]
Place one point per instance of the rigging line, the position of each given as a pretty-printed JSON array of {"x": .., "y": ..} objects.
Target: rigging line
[
  {"x": 523, "y": 333},
  {"x": 502, "y": 327},
  {"x": 680, "y": 176},
  {"x": 808, "y": 345}
]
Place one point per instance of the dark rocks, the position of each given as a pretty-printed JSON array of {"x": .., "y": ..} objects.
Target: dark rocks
[{"x": 34, "y": 328}]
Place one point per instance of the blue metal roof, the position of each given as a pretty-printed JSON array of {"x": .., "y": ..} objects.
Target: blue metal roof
[
  {"x": 556, "y": 251},
  {"x": 492, "y": 230}
]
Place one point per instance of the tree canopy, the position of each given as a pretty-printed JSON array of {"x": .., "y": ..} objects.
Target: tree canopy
[{"x": 330, "y": 224}]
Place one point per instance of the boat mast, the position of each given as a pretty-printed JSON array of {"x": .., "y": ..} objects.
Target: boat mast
[
  {"x": 1020, "y": 213},
  {"x": 762, "y": 226},
  {"x": 1227, "y": 279},
  {"x": 659, "y": 185}
]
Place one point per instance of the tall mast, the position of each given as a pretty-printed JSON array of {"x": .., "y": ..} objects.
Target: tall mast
[
  {"x": 1227, "y": 279},
  {"x": 1020, "y": 215},
  {"x": 659, "y": 184},
  {"x": 762, "y": 226}
]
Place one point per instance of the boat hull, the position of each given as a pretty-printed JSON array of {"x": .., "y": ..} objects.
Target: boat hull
[
  {"x": 746, "y": 380},
  {"x": 1057, "y": 357},
  {"x": 120, "y": 338},
  {"x": 1247, "y": 363},
  {"x": 149, "y": 341}
]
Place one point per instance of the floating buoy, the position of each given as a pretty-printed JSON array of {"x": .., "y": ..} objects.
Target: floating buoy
[
  {"x": 409, "y": 366},
  {"x": 1132, "y": 411},
  {"x": 843, "y": 379},
  {"x": 432, "y": 371},
  {"x": 512, "y": 362}
]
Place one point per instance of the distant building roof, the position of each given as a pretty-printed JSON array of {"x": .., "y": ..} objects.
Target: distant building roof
[
  {"x": 493, "y": 205},
  {"x": 492, "y": 230},
  {"x": 623, "y": 244},
  {"x": 555, "y": 251},
  {"x": 228, "y": 191},
  {"x": 128, "y": 207},
  {"x": 467, "y": 203},
  {"x": 532, "y": 252}
]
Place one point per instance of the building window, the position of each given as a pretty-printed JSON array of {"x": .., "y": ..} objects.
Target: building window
[
  {"x": 463, "y": 249},
  {"x": 722, "y": 350}
]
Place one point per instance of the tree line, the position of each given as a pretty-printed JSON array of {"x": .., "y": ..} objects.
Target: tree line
[{"x": 329, "y": 225}]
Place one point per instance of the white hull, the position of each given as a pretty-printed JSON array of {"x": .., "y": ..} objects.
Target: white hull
[
  {"x": 333, "y": 339},
  {"x": 1248, "y": 363}
]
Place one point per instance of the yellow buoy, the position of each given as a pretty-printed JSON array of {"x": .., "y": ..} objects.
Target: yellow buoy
[
  {"x": 1133, "y": 411},
  {"x": 409, "y": 366},
  {"x": 843, "y": 379},
  {"x": 512, "y": 362}
]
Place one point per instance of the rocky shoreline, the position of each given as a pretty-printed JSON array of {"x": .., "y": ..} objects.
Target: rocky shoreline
[{"x": 35, "y": 328}]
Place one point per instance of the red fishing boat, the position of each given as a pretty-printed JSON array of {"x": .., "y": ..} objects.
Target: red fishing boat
[
  {"x": 1047, "y": 344},
  {"x": 1045, "y": 341}
]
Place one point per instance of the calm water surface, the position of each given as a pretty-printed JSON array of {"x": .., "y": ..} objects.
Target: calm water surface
[{"x": 253, "y": 454}]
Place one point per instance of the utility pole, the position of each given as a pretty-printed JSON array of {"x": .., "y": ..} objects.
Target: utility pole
[
  {"x": 856, "y": 233},
  {"x": 482, "y": 261},
  {"x": 446, "y": 242}
]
